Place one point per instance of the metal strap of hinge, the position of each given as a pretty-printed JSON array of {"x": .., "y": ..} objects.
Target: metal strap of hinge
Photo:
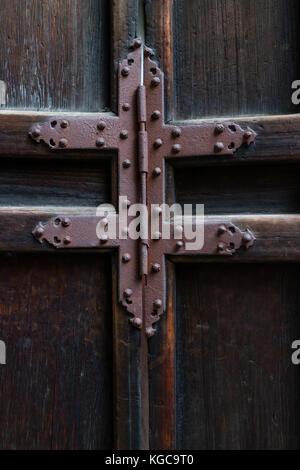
[{"x": 143, "y": 171}]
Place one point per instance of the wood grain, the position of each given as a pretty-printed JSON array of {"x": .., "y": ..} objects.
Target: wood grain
[
  {"x": 56, "y": 320},
  {"x": 236, "y": 385},
  {"x": 234, "y": 58},
  {"x": 55, "y": 54}
]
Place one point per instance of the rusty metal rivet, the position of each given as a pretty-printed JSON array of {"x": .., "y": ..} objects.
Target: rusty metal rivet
[
  {"x": 64, "y": 124},
  {"x": 36, "y": 132},
  {"x": 100, "y": 142},
  {"x": 176, "y": 132},
  {"x": 156, "y": 171},
  {"x": 156, "y": 235},
  {"x": 63, "y": 143},
  {"x": 39, "y": 232},
  {"x": 155, "y": 81},
  {"x": 137, "y": 322},
  {"x": 127, "y": 293},
  {"x": 247, "y": 237},
  {"x": 136, "y": 43},
  {"x": 176, "y": 148},
  {"x": 219, "y": 146},
  {"x": 222, "y": 229},
  {"x": 67, "y": 240},
  {"x": 247, "y": 135},
  {"x": 157, "y": 303},
  {"x": 104, "y": 238},
  {"x": 156, "y": 267},
  {"x": 221, "y": 247},
  {"x": 101, "y": 125},
  {"x": 125, "y": 71},
  {"x": 124, "y": 134},
  {"x": 126, "y": 107},
  {"x": 155, "y": 115},
  {"x": 65, "y": 222},
  {"x": 126, "y": 257},
  {"x": 179, "y": 245},
  {"x": 158, "y": 143},
  {"x": 219, "y": 129},
  {"x": 150, "y": 331},
  {"x": 126, "y": 163}
]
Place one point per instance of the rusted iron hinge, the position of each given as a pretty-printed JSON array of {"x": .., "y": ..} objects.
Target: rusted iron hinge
[{"x": 143, "y": 142}]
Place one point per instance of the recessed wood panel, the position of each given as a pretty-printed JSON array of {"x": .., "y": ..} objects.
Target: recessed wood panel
[
  {"x": 236, "y": 385},
  {"x": 55, "y": 54},
  {"x": 240, "y": 189},
  {"x": 234, "y": 57},
  {"x": 56, "y": 321},
  {"x": 56, "y": 182}
]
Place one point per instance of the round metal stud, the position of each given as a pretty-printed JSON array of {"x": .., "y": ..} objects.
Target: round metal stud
[
  {"x": 126, "y": 203},
  {"x": 176, "y": 132},
  {"x": 176, "y": 148},
  {"x": 65, "y": 222},
  {"x": 36, "y": 132},
  {"x": 137, "y": 322},
  {"x": 100, "y": 142},
  {"x": 155, "y": 115},
  {"x": 67, "y": 240},
  {"x": 124, "y": 134},
  {"x": 136, "y": 43},
  {"x": 64, "y": 124},
  {"x": 221, "y": 247},
  {"x": 63, "y": 143},
  {"x": 219, "y": 146},
  {"x": 39, "y": 232},
  {"x": 150, "y": 331},
  {"x": 157, "y": 303},
  {"x": 101, "y": 125},
  {"x": 157, "y": 210},
  {"x": 219, "y": 129},
  {"x": 155, "y": 81},
  {"x": 156, "y": 267},
  {"x": 126, "y": 107},
  {"x": 156, "y": 235},
  {"x": 126, "y": 163},
  {"x": 127, "y": 293},
  {"x": 126, "y": 257},
  {"x": 156, "y": 171},
  {"x": 157, "y": 143},
  {"x": 247, "y": 237},
  {"x": 247, "y": 135},
  {"x": 125, "y": 71},
  {"x": 222, "y": 229},
  {"x": 179, "y": 245}
]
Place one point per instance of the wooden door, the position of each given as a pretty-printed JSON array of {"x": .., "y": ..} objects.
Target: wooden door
[
  {"x": 70, "y": 379},
  {"x": 220, "y": 369}
]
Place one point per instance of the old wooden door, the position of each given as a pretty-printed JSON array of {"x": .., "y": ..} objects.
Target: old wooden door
[{"x": 219, "y": 373}]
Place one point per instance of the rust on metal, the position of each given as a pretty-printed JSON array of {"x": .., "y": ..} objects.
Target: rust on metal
[{"x": 143, "y": 142}]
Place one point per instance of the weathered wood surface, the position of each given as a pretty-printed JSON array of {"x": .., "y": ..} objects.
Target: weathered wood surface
[
  {"x": 56, "y": 320},
  {"x": 55, "y": 54},
  {"x": 236, "y": 387}
]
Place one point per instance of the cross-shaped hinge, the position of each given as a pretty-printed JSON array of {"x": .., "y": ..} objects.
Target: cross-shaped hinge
[{"x": 143, "y": 142}]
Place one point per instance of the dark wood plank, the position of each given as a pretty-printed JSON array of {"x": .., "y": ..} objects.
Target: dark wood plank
[
  {"x": 55, "y": 55},
  {"x": 236, "y": 386},
  {"x": 234, "y": 58},
  {"x": 240, "y": 188},
  {"x": 55, "y": 182},
  {"x": 56, "y": 320},
  {"x": 162, "y": 375}
]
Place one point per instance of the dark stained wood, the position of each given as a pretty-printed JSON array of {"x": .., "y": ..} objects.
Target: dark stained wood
[
  {"x": 162, "y": 375},
  {"x": 234, "y": 58},
  {"x": 236, "y": 386},
  {"x": 56, "y": 320},
  {"x": 240, "y": 189},
  {"x": 55, "y": 55},
  {"x": 67, "y": 182}
]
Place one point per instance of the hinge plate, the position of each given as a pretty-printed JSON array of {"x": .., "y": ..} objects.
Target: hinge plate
[{"x": 143, "y": 142}]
